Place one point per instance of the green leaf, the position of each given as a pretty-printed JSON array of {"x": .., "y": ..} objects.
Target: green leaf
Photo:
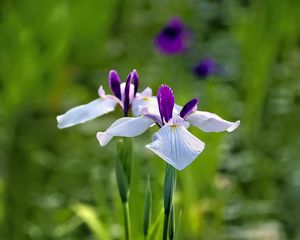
[
  {"x": 169, "y": 187},
  {"x": 89, "y": 216},
  {"x": 148, "y": 207},
  {"x": 123, "y": 167},
  {"x": 172, "y": 223},
  {"x": 155, "y": 228}
]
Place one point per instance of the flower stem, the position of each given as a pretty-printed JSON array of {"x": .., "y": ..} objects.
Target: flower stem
[
  {"x": 126, "y": 220},
  {"x": 169, "y": 189},
  {"x": 172, "y": 223},
  {"x": 166, "y": 224}
]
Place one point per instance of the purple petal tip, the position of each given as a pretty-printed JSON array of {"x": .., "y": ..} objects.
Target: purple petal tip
[
  {"x": 189, "y": 107},
  {"x": 135, "y": 78},
  {"x": 165, "y": 99},
  {"x": 114, "y": 83},
  {"x": 127, "y": 92}
]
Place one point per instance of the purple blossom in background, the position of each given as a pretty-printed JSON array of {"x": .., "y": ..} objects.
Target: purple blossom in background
[
  {"x": 174, "y": 38},
  {"x": 206, "y": 67}
]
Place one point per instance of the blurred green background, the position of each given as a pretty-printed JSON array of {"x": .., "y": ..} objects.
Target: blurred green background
[{"x": 59, "y": 184}]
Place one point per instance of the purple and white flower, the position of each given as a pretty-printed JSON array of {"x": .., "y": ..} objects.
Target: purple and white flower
[
  {"x": 173, "y": 142},
  {"x": 125, "y": 94},
  {"x": 174, "y": 38}
]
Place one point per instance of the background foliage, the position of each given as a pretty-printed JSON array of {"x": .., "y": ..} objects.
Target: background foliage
[{"x": 61, "y": 185}]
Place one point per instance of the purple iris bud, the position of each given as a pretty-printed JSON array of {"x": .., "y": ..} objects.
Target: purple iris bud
[
  {"x": 205, "y": 67},
  {"x": 189, "y": 107},
  {"x": 135, "y": 78},
  {"x": 114, "y": 83},
  {"x": 174, "y": 37},
  {"x": 127, "y": 92},
  {"x": 165, "y": 99}
]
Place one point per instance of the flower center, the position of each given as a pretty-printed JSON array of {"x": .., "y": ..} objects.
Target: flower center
[{"x": 171, "y": 32}]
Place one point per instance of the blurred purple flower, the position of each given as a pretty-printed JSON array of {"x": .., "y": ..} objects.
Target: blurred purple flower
[
  {"x": 206, "y": 67},
  {"x": 174, "y": 38}
]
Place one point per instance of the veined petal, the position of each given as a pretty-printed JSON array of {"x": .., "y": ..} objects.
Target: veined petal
[
  {"x": 125, "y": 127},
  {"x": 210, "y": 122},
  {"x": 85, "y": 112},
  {"x": 176, "y": 145}
]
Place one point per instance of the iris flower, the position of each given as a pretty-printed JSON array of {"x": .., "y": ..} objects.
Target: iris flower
[
  {"x": 174, "y": 37},
  {"x": 206, "y": 67},
  {"x": 172, "y": 142},
  {"x": 125, "y": 94}
]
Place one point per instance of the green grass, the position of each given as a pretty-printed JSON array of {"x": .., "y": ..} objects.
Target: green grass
[{"x": 59, "y": 184}]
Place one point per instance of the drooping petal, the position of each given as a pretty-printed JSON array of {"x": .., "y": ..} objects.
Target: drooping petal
[
  {"x": 135, "y": 78},
  {"x": 210, "y": 122},
  {"x": 114, "y": 83},
  {"x": 85, "y": 112},
  {"x": 103, "y": 137},
  {"x": 189, "y": 107},
  {"x": 176, "y": 145},
  {"x": 165, "y": 99},
  {"x": 125, "y": 127}
]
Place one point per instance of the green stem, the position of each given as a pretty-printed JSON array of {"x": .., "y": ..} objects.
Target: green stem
[
  {"x": 126, "y": 220},
  {"x": 172, "y": 223},
  {"x": 169, "y": 189},
  {"x": 166, "y": 224}
]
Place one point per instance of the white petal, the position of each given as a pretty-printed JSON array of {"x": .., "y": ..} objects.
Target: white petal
[
  {"x": 85, "y": 112},
  {"x": 210, "y": 122},
  {"x": 103, "y": 137},
  {"x": 101, "y": 92},
  {"x": 146, "y": 93},
  {"x": 177, "y": 109},
  {"x": 149, "y": 103},
  {"x": 176, "y": 145},
  {"x": 125, "y": 127}
]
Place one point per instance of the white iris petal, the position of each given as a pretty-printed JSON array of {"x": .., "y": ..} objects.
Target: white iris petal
[
  {"x": 176, "y": 145},
  {"x": 125, "y": 127},
  {"x": 85, "y": 112},
  {"x": 141, "y": 103},
  {"x": 210, "y": 122},
  {"x": 103, "y": 137}
]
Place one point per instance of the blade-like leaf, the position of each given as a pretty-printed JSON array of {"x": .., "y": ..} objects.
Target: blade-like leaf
[
  {"x": 148, "y": 207},
  {"x": 89, "y": 216}
]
